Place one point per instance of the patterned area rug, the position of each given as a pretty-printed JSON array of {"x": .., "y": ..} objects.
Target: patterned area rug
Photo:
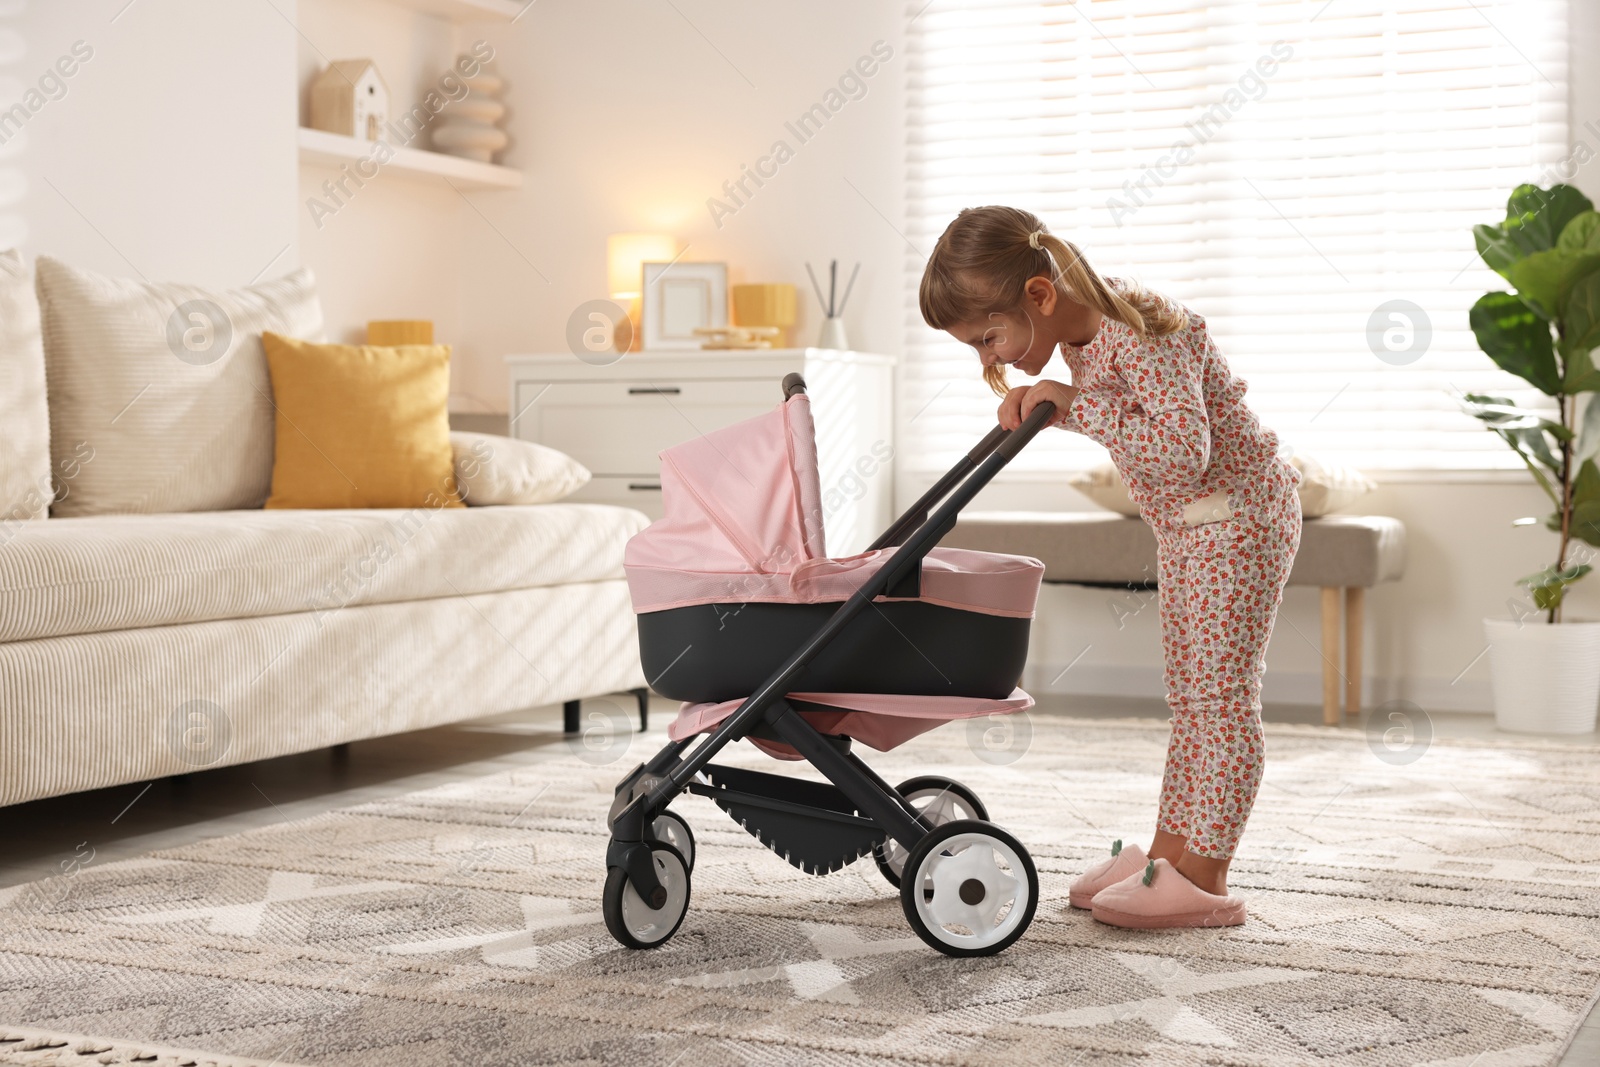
[{"x": 1441, "y": 912}]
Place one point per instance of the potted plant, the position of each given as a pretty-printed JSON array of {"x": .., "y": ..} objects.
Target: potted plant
[{"x": 1546, "y": 671}]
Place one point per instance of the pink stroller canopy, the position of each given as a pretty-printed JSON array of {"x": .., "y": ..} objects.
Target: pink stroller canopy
[{"x": 743, "y": 523}]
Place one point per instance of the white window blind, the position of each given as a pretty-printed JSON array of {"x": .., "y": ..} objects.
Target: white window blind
[{"x": 1345, "y": 175}]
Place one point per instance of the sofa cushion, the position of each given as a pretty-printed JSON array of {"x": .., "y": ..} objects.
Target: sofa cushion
[
  {"x": 360, "y": 426},
  {"x": 166, "y": 385},
  {"x": 491, "y": 469},
  {"x": 25, "y": 488},
  {"x": 115, "y": 572}
]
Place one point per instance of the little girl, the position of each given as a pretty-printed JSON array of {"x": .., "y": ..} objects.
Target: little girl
[{"x": 1149, "y": 384}]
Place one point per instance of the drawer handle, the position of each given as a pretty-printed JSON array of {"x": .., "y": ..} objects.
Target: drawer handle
[
  {"x": 653, "y": 390},
  {"x": 649, "y": 487}
]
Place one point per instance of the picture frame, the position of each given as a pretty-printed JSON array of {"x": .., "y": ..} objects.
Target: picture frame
[{"x": 680, "y": 298}]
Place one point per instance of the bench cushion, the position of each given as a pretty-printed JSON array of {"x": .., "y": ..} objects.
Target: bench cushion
[
  {"x": 118, "y": 572},
  {"x": 1100, "y": 547}
]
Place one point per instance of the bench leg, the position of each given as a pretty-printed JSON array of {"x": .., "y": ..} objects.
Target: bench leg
[
  {"x": 1354, "y": 616},
  {"x": 1330, "y": 655},
  {"x": 569, "y": 716}
]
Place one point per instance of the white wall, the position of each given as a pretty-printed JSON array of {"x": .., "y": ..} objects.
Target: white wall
[
  {"x": 629, "y": 115},
  {"x": 393, "y": 249},
  {"x": 171, "y": 154}
]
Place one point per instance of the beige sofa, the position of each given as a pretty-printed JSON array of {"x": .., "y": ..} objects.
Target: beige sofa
[{"x": 136, "y": 645}]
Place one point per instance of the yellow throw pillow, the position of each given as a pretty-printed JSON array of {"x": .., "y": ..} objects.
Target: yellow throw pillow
[{"x": 360, "y": 426}]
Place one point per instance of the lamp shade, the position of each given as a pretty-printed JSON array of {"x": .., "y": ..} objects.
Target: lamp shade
[{"x": 626, "y": 254}]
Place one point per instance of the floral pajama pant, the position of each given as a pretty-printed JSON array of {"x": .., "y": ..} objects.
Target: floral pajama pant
[{"x": 1219, "y": 585}]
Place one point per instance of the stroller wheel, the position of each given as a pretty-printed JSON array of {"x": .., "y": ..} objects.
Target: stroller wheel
[
  {"x": 671, "y": 828},
  {"x": 972, "y": 888},
  {"x": 942, "y": 800},
  {"x": 633, "y": 922}
]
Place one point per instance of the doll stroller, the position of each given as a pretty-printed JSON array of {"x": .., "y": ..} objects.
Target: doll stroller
[{"x": 742, "y": 616}]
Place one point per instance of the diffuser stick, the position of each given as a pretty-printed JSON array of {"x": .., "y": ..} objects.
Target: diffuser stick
[
  {"x": 833, "y": 284},
  {"x": 814, "y": 286},
  {"x": 849, "y": 285}
]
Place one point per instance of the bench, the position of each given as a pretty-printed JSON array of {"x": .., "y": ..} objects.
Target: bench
[{"x": 1343, "y": 555}]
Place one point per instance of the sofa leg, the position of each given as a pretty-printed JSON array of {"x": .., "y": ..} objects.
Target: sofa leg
[
  {"x": 642, "y": 695},
  {"x": 569, "y": 716},
  {"x": 1354, "y": 615},
  {"x": 1330, "y": 655}
]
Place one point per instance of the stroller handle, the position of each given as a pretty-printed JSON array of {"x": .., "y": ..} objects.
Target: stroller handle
[
  {"x": 793, "y": 383},
  {"x": 1007, "y": 442}
]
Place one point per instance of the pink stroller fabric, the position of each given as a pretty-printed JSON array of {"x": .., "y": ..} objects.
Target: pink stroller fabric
[
  {"x": 878, "y": 720},
  {"x": 742, "y": 524}
]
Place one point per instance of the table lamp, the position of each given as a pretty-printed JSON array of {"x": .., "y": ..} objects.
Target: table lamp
[{"x": 626, "y": 254}]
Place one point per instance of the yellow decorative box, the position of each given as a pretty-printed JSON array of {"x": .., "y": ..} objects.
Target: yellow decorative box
[
  {"x": 765, "y": 305},
  {"x": 400, "y": 332}
]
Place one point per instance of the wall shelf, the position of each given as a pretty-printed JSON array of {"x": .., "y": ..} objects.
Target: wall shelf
[{"x": 332, "y": 149}]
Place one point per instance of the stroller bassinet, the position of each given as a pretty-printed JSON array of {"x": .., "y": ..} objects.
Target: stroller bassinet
[
  {"x": 735, "y": 576},
  {"x": 742, "y": 615}
]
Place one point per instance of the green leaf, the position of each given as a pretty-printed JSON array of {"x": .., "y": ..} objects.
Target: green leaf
[
  {"x": 1545, "y": 279},
  {"x": 1582, "y": 234},
  {"x": 1581, "y": 316},
  {"x": 1497, "y": 250},
  {"x": 1527, "y": 441},
  {"x": 1588, "y": 432},
  {"x": 1579, "y": 375},
  {"x": 1499, "y": 413},
  {"x": 1517, "y": 339},
  {"x": 1550, "y": 585},
  {"x": 1580, "y": 334},
  {"x": 1585, "y": 504},
  {"x": 1535, "y": 219}
]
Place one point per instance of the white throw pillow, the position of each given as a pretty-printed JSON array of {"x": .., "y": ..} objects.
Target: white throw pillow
[
  {"x": 1324, "y": 487},
  {"x": 1327, "y": 487},
  {"x": 25, "y": 487},
  {"x": 491, "y": 469},
  {"x": 1103, "y": 485},
  {"x": 164, "y": 387}
]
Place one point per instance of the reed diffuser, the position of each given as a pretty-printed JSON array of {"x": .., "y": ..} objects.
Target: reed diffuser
[{"x": 832, "y": 333}]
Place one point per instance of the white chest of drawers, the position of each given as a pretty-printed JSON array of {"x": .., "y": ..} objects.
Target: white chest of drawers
[{"x": 616, "y": 419}]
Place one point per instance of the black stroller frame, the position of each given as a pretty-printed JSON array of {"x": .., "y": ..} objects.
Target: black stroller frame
[{"x": 820, "y": 827}]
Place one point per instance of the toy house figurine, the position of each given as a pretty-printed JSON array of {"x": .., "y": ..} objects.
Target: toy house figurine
[{"x": 350, "y": 97}]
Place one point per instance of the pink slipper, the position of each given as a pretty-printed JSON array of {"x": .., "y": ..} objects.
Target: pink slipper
[
  {"x": 1123, "y": 863},
  {"x": 1160, "y": 897}
]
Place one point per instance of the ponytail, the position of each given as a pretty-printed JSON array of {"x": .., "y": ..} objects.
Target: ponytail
[{"x": 985, "y": 257}]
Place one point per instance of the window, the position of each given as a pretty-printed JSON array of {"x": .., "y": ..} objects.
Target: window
[{"x": 1288, "y": 168}]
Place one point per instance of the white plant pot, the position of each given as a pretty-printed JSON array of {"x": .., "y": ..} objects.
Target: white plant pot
[{"x": 1546, "y": 677}]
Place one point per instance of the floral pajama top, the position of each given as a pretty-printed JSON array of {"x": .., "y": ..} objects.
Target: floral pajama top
[{"x": 1207, "y": 478}]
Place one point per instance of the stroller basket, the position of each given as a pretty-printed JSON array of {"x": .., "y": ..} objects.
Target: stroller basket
[{"x": 742, "y": 615}]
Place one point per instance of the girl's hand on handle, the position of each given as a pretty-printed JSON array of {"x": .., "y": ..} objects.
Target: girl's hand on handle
[{"x": 1021, "y": 401}]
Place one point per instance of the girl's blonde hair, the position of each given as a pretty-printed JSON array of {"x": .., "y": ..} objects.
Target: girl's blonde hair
[{"x": 985, "y": 257}]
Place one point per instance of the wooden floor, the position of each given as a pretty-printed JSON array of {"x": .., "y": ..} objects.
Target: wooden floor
[{"x": 130, "y": 820}]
